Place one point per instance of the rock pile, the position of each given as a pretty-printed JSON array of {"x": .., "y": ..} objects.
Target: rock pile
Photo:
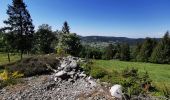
[
  {"x": 68, "y": 82},
  {"x": 69, "y": 69}
]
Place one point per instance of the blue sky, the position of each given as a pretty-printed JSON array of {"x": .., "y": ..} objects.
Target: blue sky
[{"x": 120, "y": 18}]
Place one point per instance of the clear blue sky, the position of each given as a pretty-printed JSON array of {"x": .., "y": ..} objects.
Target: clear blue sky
[{"x": 125, "y": 18}]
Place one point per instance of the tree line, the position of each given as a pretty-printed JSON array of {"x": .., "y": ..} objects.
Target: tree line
[
  {"x": 19, "y": 36},
  {"x": 150, "y": 50}
]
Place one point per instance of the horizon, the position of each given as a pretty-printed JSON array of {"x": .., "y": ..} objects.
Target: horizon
[{"x": 118, "y": 18}]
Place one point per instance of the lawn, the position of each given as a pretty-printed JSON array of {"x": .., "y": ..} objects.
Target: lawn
[{"x": 159, "y": 73}]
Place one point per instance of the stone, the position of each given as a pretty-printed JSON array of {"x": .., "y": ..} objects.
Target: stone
[
  {"x": 60, "y": 73},
  {"x": 73, "y": 64},
  {"x": 116, "y": 91}
]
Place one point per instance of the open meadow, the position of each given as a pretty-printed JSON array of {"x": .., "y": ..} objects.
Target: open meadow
[{"x": 159, "y": 73}]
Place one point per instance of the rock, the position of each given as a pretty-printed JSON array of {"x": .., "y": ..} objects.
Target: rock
[
  {"x": 82, "y": 74},
  {"x": 60, "y": 73},
  {"x": 116, "y": 91},
  {"x": 73, "y": 64}
]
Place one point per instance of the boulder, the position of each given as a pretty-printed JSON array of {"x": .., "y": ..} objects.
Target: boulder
[
  {"x": 116, "y": 91},
  {"x": 62, "y": 74}
]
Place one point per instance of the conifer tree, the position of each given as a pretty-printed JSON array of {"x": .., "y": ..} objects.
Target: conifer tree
[
  {"x": 20, "y": 25},
  {"x": 161, "y": 53},
  {"x": 66, "y": 28},
  {"x": 146, "y": 50},
  {"x": 125, "y": 52},
  {"x": 108, "y": 54}
]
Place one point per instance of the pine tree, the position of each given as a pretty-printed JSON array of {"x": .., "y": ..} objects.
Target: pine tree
[
  {"x": 68, "y": 43},
  {"x": 125, "y": 52},
  {"x": 161, "y": 53},
  {"x": 66, "y": 28},
  {"x": 136, "y": 51},
  {"x": 146, "y": 50},
  {"x": 108, "y": 54},
  {"x": 20, "y": 25}
]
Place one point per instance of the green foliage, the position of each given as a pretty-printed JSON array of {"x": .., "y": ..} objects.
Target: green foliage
[
  {"x": 108, "y": 54},
  {"x": 19, "y": 26},
  {"x": 60, "y": 52},
  {"x": 44, "y": 39},
  {"x": 133, "y": 83},
  {"x": 2, "y": 42},
  {"x": 98, "y": 72},
  {"x": 166, "y": 91},
  {"x": 161, "y": 53},
  {"x": 158, "y": 72},
  {"x": 9, "y": 78},
  {"x": 90, "y": 52},
  {"x": 69, "y": 42},
  {"x": 146, "y": 50},
  {"x": 72, "y": 41},
  {"x": 135, "y": 51},
  {"x": 125, "y": 52}
]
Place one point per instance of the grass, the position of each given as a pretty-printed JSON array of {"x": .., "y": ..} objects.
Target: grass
[
  {"x": 159, "y": 73},
  {"x": 4, "y": 58}
]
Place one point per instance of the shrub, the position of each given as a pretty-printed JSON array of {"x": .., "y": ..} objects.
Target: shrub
[
  {"x": 98, "y": 72},
  {"x": 166, "y": 91},
  {"x": 60, "y": 52},
  {"x": 34, "y": 65},
  {"x": 9, "y": 78}
]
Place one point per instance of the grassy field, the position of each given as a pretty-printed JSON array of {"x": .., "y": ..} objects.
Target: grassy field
[
  {"x": 159, "y": 73},
  {"x": 4, "y": 58}
]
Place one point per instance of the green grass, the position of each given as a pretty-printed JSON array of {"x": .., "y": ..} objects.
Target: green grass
[
  {"x": 159, "y": 73},
  {"x": 4, "y": 58}
]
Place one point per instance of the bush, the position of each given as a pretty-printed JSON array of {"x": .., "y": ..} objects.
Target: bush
[
  {"x": 133, "y": 83},
  {"x": 166, "y": 91},
  {"x": 9, "y": 78},
  {"x": 98, "y": 72},
  {"x": 34, "y": 65}
]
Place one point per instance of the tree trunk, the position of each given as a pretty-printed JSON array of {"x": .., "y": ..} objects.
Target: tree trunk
[
  {"x": 9, "y": 57},
  {"x": 21, "y": 54}
]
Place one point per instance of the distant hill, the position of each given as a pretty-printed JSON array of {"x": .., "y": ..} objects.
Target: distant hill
[{"x": 96, "y": 39}]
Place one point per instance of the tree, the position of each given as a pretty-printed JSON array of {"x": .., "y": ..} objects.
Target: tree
[
  {"x": 117, "y": 51},
  {"x": 66, "y": 28},
  {"x": 44, "y": 38},
  {"x": 68, "y": 43},
  {"x": 146, "y": 50},
  {"x": 73, "y": 44},
  {"x": 108, "y": 54},
  {"x": 20, "y": 25},
  {"x": 2, "y": 44},
  {"x": 136, "y": 51},
  {"x": 125, "y": 52},
  {"x": 161, "y": 53}
]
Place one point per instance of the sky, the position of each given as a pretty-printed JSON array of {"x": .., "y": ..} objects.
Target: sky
[{"x": 119, "y": 18}]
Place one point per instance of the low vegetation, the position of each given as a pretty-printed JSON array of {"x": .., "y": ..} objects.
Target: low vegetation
[
  {"x": 132, "y": 76},
  {"x": 9, "y": 78},
  {"x": 36, "y": 65},
  {"x": 158, "y": 72}
]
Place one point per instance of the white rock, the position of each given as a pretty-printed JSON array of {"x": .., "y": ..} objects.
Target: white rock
[
  {"x": 60, "y": 73},
  {"x": 82, "y": 74},
  {"x": 116, "y": 91},
  {"x": 73, "y": 64},
  {"x": 92, "y": 83}
]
